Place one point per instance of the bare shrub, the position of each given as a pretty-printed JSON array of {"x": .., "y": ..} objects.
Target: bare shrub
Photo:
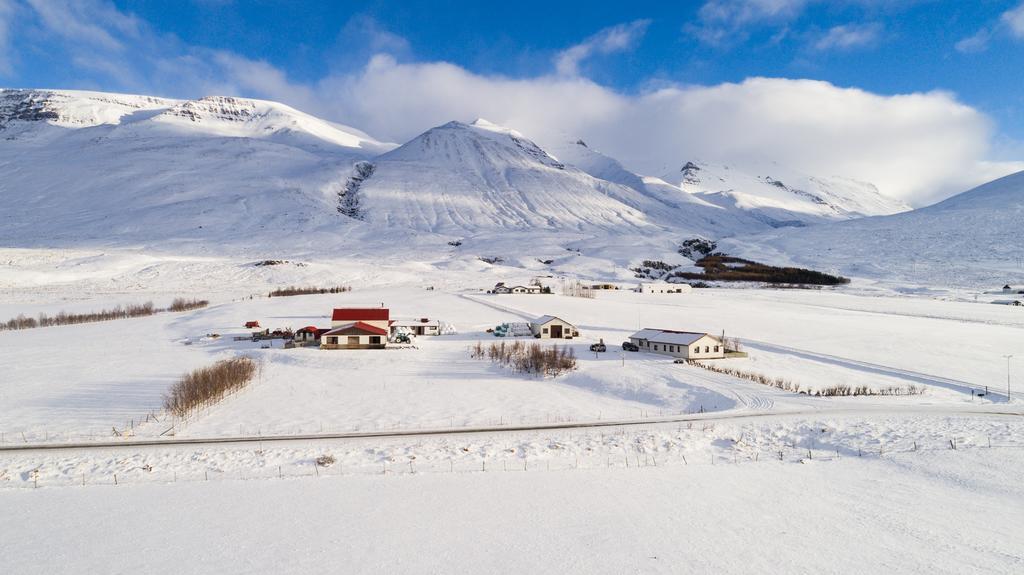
[
  {"x": 307, "y": 290},
  {"x": 326, "y": 460},
  {"x": 208, "y": 385},
  {"x": 65, "y": 318},
  {"x": 182, "y": 304},
  {"x": 575, "y": 288},
  {"x": 841, "y": 390},
  {"x": 533, "y": 358}
]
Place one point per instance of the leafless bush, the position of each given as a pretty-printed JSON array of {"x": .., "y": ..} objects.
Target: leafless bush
[
  {"x": 575, "y": 288},
  {"x": 732, "y": 344},
  {"x": 842, "y": 390},
  {"x": 182, "y": 304},
  {"x": 307, "y": 290},
  {"x": 528, "y": 358},
  {"x": 65, "y": 318},
  {"x": 208, "y": 385},
  {"x": 325, "y": 460}
]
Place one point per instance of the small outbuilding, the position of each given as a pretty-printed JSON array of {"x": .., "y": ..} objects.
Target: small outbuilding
[
  {"x": 683, "y": 344},
  {"x": 252, "y": 324},
  {"x": 551, "y": 327},
  {"x": 309, "y": 334}
]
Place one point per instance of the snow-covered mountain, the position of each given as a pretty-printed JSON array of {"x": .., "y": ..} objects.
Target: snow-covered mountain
[
  {"x": 787, "y": 199},
  {"x": 83, "y": 168},
  {"x": 223, "y": 175},
  {"x": 782, "y": 197},
  {"x": 973, "y": 238}
]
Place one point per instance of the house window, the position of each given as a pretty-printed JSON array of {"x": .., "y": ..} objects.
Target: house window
[
  {"x": 696, "y": 349},
  {"x": 672, "y": 348},
  {"x": 545, "y": 330},
  {"x": 353, "y": 340},
  {"x": 707, "y": 349},
  {"x": 375, "y": 340},
  {"x": 716, "y": 349},
  {"x": 332, "y": 340}
]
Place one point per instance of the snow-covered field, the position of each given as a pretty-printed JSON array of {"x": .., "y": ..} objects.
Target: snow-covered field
[
  {"x": 701, "y": 472},
  {"x": 926, "y": 512}
]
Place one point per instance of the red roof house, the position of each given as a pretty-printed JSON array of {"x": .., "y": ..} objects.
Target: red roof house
[
  {"x": 355, "y": 335},
  {"x": 375, "y": 316}
]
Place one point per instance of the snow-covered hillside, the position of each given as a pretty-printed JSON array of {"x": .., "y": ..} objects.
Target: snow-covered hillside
[
  {"x": 973, "y": 238},
  {"x": 465, "y": 178},
  {"x": 88, "y": 169},
  {"x": 781, "y": 197}
]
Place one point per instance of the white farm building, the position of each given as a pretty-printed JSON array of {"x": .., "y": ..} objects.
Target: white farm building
[
  {"x": 551, "y": 327},
  {"x": 684, "y": 344},
  {"x": 665, "y": 287}
]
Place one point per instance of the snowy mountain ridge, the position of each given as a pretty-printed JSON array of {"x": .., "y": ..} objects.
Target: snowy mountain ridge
[
  {"x": 223, "y": 175},
  {"x": 783, "y": 197}
]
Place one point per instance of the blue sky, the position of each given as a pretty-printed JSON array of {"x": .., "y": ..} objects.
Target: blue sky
[{"x": 960, "y": 60}]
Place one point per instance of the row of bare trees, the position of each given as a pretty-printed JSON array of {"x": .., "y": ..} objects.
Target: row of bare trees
[
  {"x": 546, "y": 361},
  {"x": 840, "y": 390},
  {"x": 118, "y": 312},
  {"x": 208, "y": 385},
  {"x": 66, "y": 318},
  {"x": 307, "y": 290},
  {"x": 182, "y": 304}
]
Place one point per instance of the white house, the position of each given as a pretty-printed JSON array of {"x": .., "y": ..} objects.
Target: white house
[
  {"x": 551, "y": 327},
  {"x": 422, "y": 326},
  {"x": 665, "y": 287},
  {"x": 685, "y": 344},
  {"x": 355, "y": 335},
  {"x": 500, "y": 287}
]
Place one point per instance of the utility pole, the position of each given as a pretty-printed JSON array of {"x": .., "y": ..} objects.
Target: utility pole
[{"x": 1008, "y": 357}]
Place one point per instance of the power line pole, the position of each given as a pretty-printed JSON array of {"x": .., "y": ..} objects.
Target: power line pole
[{"x": 1008, "y": 357}]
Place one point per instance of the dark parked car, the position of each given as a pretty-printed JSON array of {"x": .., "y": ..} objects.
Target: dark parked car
[
  {"x": 598, "y": 347},
  {"x": 630, "y": 346}
]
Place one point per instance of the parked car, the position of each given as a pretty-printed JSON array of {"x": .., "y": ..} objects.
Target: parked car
[
  {"x": 630, "y": 346},
  {"x": 598, "y": 347},
  {"x": 680, "y": 360}
]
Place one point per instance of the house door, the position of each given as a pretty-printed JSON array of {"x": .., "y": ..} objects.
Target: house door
[{"x": 556, "y": 332}]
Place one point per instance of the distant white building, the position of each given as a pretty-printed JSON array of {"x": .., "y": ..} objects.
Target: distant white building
[
  {"x": 684, "y": 344},
  {"x": 551, "y": 327},
  {"x": 665, "y": 287},
  {"x": 422, "y": 326},
  {"x": 501, "y": 288}
]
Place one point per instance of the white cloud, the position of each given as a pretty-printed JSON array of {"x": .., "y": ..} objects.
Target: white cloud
[
  {"x": 1014, "y": 21},
  {"x": 94, "y": 22},
  {"x": 848, "y": 37},
  {"x": 607, "y": 41},
  {"x": 1010, "y": 22},
  {"x": 725, "y": 21},
  {"x": 975, "y": 43}
]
